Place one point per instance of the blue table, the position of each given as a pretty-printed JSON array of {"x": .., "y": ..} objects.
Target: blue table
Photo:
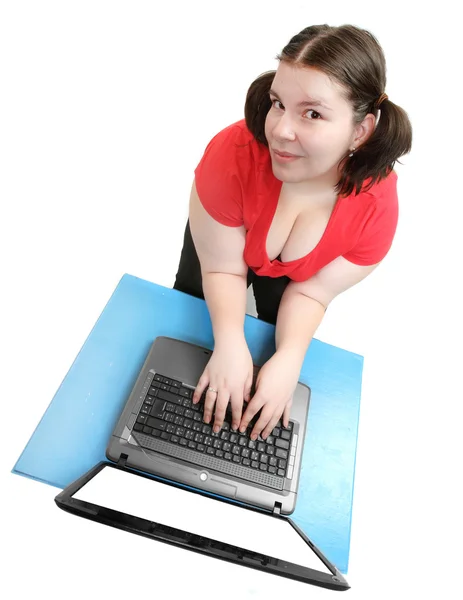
[{"x": 73, "y": 433}]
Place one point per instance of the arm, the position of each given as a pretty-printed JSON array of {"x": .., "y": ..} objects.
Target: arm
[
  {"x": 301, "y": 310},
  {"x": 224, "y": 272},
  {"x": 230, "y": 370},
  {"x": 304, "y": 303}
]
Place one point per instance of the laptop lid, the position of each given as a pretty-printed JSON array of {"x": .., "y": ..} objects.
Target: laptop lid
[{"x": 164, "y": 511}]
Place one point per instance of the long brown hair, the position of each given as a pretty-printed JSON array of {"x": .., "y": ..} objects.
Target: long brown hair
[{"x": 354, "y": 58}]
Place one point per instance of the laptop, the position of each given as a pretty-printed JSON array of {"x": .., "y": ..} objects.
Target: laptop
[{"x": 160, "y": 432}]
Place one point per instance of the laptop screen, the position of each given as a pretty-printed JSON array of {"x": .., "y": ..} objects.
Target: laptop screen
[{"x": 178, "y": 508}]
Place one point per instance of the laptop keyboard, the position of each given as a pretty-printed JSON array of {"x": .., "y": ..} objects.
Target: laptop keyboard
[{"x": 168, "y": 415}]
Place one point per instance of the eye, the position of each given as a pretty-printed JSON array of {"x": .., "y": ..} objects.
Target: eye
[
  {"x": 315, "y": 118},
  {"x": 273, "y": 102}
]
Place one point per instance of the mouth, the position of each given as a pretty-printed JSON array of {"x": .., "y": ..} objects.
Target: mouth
[{"x": 285, "y": 156}]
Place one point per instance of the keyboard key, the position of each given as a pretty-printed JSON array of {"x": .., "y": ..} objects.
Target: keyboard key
[
  {"x": 272, "y": 470},
  {"x": 164, "y": 386},
  {"x": 199, "y": 437},
  {"x": 264, "y": 459},
  {"x": 142, "y": 419},
  {"x": 245, "y": 452},
  {"x": 197, "y": 416},
  {"x": 189, "y": 434},
  {"x": 169, "y": 417},
  {"x": 138, "y": 427},
  {"x": 165, "y": 436},
  {"x": 281, "y": 472},
  {"x": 185, "y": 392},
  {"x": 219, "y": 453},
  {"x": 156, "y": 384},
  {"x": 206, "y": 429},
  {"x": 270, "y": 450},
  {"x": 153, "y": 392},
  {"x": 252, "y": 444},
  {"x": 210, "y": 450},
  {"x": 233, "y": 438},
  {"x": 246, "y": 462},
  {"x": 261, "y": 447},
  {"x": 167, "y": 396},
  {"x": 236, "y": 459},
  {"x": 157, "y": 410},
  {"x": 188, "y": 423},
  {"x": 178, "y": 420},
  {"x": 263, "y": 467},
  {"x": 227, "y": 446},
  {"x": 208, "y": 440},
  {"x": 254, "y": 464},
  {"x": 217, "y": 444},
  {"x": 183, "y": 442},
  {"x": 169, "y": 407},
  {"x": 236, "y": 450},
  {"x": 176, "y": 384},
  {"x": 282, "y": 444},
  {"x": 189, "y": 413},
  {"x": 186, "y": 402},
  {"x": 158, "y": 378},
  {"x": 276, "y": 432},
  {"x": 179, "y": 410},
  {"x": 173, "y": 389},
  {"x": 166, "y": 380},
  {"x": 145, "y": 409},
  {"x": 174, "y": 439},
  {"x": 254, "y": 455},
  {"x": 272, "y": 461},
  {"x": 242, "y": 441},
  {"x": 201, "y": 448},
  {"x": 225, "y": 435},
  {"x": 280, "y": 453},
  {"x": 149, "y": 400},
  {"x": 282, "y": 463},
  {"x": 156, "y": 424},
  {"x": 227, "y": 456},
  {"x": 170, "y": 428},
  {"x": 270, "y": 440},
  {"x": 285, "y": 434},
  {"x": 180, "y": 431},
  {"x": 192, "y": 445}
]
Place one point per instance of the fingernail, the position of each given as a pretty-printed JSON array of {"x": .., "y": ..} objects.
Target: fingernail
[
  {"x": 234, "y": 426},
  {"x": 242, "y": 429},
  {"x": 254, "y": 436},
  {"x": 216, "y": 429},
  {"x": 206, "y": 419}
]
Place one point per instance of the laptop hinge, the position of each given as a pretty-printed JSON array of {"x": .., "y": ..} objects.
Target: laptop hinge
[
  {"x": 277, "y": 509},
  {"x": 122, "y": 462}
]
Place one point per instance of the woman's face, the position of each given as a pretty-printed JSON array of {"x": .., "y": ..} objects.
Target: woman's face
[{"x": 309, "y": 118}]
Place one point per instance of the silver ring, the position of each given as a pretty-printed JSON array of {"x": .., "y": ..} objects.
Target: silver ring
[{"x": 211, "y": 389}]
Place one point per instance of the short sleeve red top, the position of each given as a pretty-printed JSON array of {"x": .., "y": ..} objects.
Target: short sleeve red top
[{"x": 236, "y": 186}]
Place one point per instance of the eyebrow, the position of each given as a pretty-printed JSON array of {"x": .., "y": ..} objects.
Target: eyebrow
[{"x": 311, "y": 102}]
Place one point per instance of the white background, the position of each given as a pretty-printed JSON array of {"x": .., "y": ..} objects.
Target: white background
[{"x": 106, "y": 108}]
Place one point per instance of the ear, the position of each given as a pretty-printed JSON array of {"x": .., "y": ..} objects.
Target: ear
[{"x": 364, "y": 130}]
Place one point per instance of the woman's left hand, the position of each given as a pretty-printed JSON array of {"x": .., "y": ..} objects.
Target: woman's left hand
[{"x": 275, "y": 385}]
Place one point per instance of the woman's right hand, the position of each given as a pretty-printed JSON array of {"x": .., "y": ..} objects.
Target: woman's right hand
[{"x": 230, "y": 372}]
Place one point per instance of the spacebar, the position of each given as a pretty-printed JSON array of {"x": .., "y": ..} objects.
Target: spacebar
[{"x": 210, "y": 462}]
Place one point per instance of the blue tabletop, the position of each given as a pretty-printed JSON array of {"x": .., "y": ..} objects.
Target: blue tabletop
[{"x": 73, "y": 433}]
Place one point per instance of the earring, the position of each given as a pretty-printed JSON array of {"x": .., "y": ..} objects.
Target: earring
[{"x": 352, "y": 150}]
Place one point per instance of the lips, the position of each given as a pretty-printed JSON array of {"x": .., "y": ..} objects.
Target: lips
[{"x": 285, "y": 154}]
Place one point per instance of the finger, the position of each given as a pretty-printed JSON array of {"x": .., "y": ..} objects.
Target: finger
[
  {"x": 286, "y": 413},
  {"x": 262, "y": 421},
  {"x": 271, "y": 424},
  {"x": 220, "y": 408},
  {"x": 247, "y": 388},
  {"x": 209, "y": 403},
  {"x": 237, "y": 409},
  {"x": 252, "y": 409},
  {"x": 202, "y": 384}
]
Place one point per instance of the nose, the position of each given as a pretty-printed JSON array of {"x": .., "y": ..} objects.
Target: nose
[{"x": 284, "y": 129}]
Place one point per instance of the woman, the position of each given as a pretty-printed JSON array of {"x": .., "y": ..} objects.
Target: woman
[{"x": 298, "y": 199}]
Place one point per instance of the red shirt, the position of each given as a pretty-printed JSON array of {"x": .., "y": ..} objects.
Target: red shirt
[{"x": 236, "y": 186}]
